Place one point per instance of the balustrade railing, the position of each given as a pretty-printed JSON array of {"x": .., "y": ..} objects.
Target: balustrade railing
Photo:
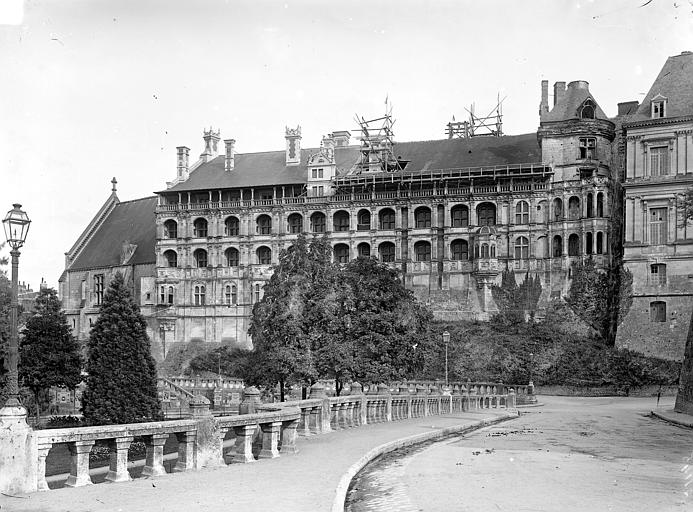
[{"x": 260, "y": 431}]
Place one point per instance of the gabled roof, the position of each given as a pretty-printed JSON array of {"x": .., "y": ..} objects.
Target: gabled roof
[
  {"x": 269, "y": 168},
  {"x": 134, "y": 221},
  {"x": 569, "y": 105},
  {"x": 675, "y": 83}
]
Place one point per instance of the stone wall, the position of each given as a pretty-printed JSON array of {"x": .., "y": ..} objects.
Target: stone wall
[{"x": 684, "y": 398}]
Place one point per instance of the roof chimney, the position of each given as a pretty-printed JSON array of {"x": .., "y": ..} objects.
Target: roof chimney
[
  {"x": 627, "y": 107},
  {"x": 544, "y": 105},
  {"x": 229, "y": 161},
  {"x": 558, "y": 92},
  {"x": 293, "y": 145},
  {"x": 341, "y": 138},
  {"x": 211, "y": 139},
  {"x": 183, "y": 161}
]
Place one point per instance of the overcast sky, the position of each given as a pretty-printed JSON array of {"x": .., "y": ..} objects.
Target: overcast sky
[{"x": 93, "y": 89}]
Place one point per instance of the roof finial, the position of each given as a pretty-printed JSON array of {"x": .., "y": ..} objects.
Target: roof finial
[{"x": 114, "y": 182}]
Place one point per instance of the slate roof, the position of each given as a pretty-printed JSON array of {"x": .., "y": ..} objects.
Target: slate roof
[
  {"x": 269, "y": 168},
  {"x": 675, "y": 82},
  {"x": 134, "y": 221},
  {"x": 567, "y": 108}
]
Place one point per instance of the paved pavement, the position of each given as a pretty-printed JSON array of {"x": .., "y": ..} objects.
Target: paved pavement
[
  {"x": 573, "y": 454},
  {"x": 304, "y": 482}
]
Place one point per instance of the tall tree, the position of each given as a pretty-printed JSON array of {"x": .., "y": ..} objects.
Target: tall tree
[
  {"x": 515, "y": 300},
  {"x": 121, "y": 381},
  {"x": 5, "y": 300},
  {"x": 49, "y": 354}
]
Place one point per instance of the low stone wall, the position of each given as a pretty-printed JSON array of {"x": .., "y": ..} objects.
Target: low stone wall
[
  {"x": 643, "y": 391},
  {"x": 274, "y": 427}
]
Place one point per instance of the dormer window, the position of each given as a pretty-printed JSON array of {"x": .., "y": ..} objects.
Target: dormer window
[
  {"x": 587, "y": 110},
  {"x": 659, "y": 107}
]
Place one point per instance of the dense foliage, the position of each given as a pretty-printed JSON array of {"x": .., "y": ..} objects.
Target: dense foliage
[
  {"x": 48, "y": 354},
  {"x": 229, "y": 361},
  {"x": 544, "y": 352},
  {"x": 121, "y": 381},
  {"x": 516, "y": 301},
  {"x": 318, "y": 320}
]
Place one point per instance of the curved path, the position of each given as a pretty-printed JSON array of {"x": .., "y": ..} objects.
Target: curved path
[
  {"x": 305, "y": 482},
  {"x": 573, "y": 454}
]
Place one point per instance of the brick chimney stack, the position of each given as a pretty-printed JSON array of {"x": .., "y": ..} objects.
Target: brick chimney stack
[
  {"x": 211, "y": 139},
  {"x": 544, "y": 105},
  {"x": 293, "y": 145},
  {"x": 558, "y": 92},
  {"x": 183, "y": 162},
  {"x": 229, "y": 161}
]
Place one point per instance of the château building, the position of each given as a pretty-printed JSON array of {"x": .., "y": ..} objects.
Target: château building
[
  {"x": 452, "y": 214},
  {"x": 658, "y": 246}
]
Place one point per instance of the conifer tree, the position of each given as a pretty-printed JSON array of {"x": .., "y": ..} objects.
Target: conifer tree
[
  {"x": 49, "y": 354},
  {"x": 121, "y": 381}
]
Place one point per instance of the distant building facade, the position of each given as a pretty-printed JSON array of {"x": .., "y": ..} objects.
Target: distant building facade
[
  {"x": 451, "y": 214},
  {"x": 658, "y": 246}
]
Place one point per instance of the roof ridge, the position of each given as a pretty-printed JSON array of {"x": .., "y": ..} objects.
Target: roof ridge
[{"x": 140, "y": 199}]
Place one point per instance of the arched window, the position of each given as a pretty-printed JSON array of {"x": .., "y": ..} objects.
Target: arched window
[
  {"x": 486, "y": 214},
  {"x": 341, "y": 221},
  {"x": 341, "y": 253},
  {"x": 317, "y": 222},
  {"x": 234, "y": 294},
  {"x": 589, "y": 239},
  {"x": 459, "y": 250},
  {"x": 199, "y": 295},
  {"x": 169, "y": 298},
  {"x": 522, "y": 212},
  {"x": 387, "y": 218},
  {"x": 200, "y": 256},
  {"x": 227, "y": 294},
  {"x": 264, "y": 255},
  {"x": 170, "y": 229},
  {"x": 232, "y": 257},
  {"x": 295, "y": 223},
  {"x": 557, "y": 209},
  {"x": 600, "y": 242},
  {"x": 460, "y": 216},
  {"x": 573, "y": 245},
  {"x": 200, "y": 228},
  {"x": 485, "y": 253},
  {"x": 557, "y": 246},
  {"x": 521, "y": 248},
  {"x": 364, "y": 250},
  {"x": 386, "y": 250},
  {"x": 422, "y": 218},
  {"x": 363, "y": 220},
  {"x": 231, "y": 226},
  {"x": 422, "y": 251},
  {"x": 257, "y": 293},
  {"x": 171, "y": 258},
  {"x": 587, "y": 110},
  {"x": 574, "y": 208},
  {"x": 590, "y": 206},
  {"x": 493, "y": 250},
  {"x": 600, "y": 204},
  {"x": 264, "y": 225}
]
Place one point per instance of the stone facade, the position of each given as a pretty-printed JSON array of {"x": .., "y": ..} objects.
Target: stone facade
[{"x": 658, "y": 246}]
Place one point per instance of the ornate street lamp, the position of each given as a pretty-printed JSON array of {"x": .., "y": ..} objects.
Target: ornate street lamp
[
  {"x": 16, "y": 225},
  {"x": 446, "y": 340}
]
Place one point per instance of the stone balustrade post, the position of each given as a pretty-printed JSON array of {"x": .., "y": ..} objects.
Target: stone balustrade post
[
  {"x": 250, "y": 402},
  {"x": 186, "y": 451},
  {"x": 221, "y": 434},
  {"x": 43, "y": 449},
  {"x": 243, "y": 449},
  {"x": 511, "y": 400},
  {"x": 342, "y": 421},
  {"x": 118, "y": 467},
  {"x": 350, "y": 408},
  {"x": 154, "y": 457},
  {"x": 79, "y": 464},
  {"x": 270, "y": 439},
  {"x": 315, "y": 420},
  {"x": 356, "y": 388},
  {"x": 304, "y": 425},
  {"x": 289, "y": 436},
  {"x": 199, "y": 406}
]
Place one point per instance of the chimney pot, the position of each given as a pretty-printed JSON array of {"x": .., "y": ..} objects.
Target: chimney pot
[
  {"x": 558, "y": 92},
  {"x": 183, "y": 162},
  {"x": 544, "y": 105},
  {"x": 229, "y": 160},
  {"x": 293, "y": 145}
]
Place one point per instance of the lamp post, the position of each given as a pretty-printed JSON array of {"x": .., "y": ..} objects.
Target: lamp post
[
  {"x": 531, "y": 365},
  {"x": 446, "y": 340},
  {"x": 16, "y": 225}
]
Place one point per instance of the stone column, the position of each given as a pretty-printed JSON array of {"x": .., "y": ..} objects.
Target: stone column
[
  {"x": 118, "y": 469},
  {"x": 79, "y": 464},
  {"x": 154, "y": 463},
  {"x": 270, "y": 440},
  {"x": 43, "y": 450},
  {"x": 186, "y": 451},
  {"x": 243, "y": 450},
  {"x": 289, "y": 436}
]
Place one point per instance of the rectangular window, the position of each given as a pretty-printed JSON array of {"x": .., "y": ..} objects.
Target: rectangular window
[
  {"x": 658, "y": 274},
  {"x": 321, "y": 191},
  {"x": 658, "y": 311},
  {"x": 659, "y": 161},
  {"x": 98, "y": 289},
  {"x": 658, "y": 109},
  {"x": 658, "y": 226},
  {"x": 319, "y": 173},
  {"x": 314, "y": 173},
  {"x": 588, "y": 147}
]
